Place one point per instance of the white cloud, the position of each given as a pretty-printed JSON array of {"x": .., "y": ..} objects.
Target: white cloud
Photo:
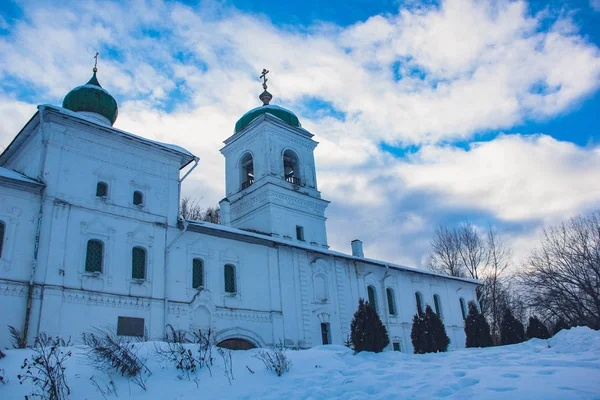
[
  {"x": 481, "y": 66},
  {"x": 513, "y": 177},
  {"x": 595, "y": 4}
]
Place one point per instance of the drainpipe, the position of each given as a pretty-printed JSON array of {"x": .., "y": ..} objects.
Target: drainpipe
[
  {"x": 168, "y": 247},
  {"x": 179, "y": 181},
  {"x": 38, "y": 229},
  {"x": 166, "y": 261}
]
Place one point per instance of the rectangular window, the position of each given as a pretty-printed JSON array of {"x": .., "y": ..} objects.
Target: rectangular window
[
  {"x": 2, "y": 230},
  {"x": 372, "y": 297},
  {"x": 391, "y": 302},
  {"x": 102, "y": 189},
  {"x": 138, "y": 198},
  {"x": 128, "y": 326},
  {"x": 197, "y": 273},
  {"x": 325, "y": 334},
  {"x": 230, "y": 279},
  {"x": 94, "y": 256},
  {"x": 396, "y": 346},
  {"x": 299, "y": 232},
  {"x": 138, "y": 263}
]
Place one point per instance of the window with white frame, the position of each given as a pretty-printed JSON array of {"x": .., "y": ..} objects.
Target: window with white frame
[
  {"x": 197, "y": 273},
  {"x": 2, "y": 234},
  {"x": 94, "y": 257},
  {"x": 419, "y": 300},
  {"x": 138, "y": 198},
  {"x": 438, "y": 305},
  {"x": 391, "y": 301},
  {"x": 463, "y": 308},
  {"x": 138, "y": 263},
  {"x": 230, "y": 279},
  {"x": 102, "y": 189},
  {"x": 372, "y": 294}
]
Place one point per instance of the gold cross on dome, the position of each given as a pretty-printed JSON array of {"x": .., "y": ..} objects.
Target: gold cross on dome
[
  {"x": 264, "y": 78},
  {"x": 96, "y": 61}
]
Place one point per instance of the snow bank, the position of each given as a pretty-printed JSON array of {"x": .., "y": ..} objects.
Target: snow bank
[{"x": 564, "y": 367}]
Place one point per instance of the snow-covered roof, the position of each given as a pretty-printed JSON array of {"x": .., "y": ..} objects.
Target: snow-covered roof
[
  {"x": 10, "y": 174},
  {"x": 208, "y": 226},
  {"x": 167, "y": 146}
]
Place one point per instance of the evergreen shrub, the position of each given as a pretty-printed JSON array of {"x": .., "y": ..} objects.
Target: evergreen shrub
[
  {"x": 367, "y": 332},
  {"x": 511, "y": 329},
  {"x": 428, "y": 334},
  {"x": 536, "y": 329},
  {"x": 477, "y": 328}
]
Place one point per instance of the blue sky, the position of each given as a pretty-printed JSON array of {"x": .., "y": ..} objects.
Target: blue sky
[{"x": 427, "y": 113}]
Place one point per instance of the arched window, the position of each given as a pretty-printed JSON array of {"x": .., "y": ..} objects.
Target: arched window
[
  {"x": 320, "y": 288},
  {"x": 463, "y": 308},
  {"x": 138, "y": 198},
  {"x": 419, "y": 299},
  {"x": 2, "y": 231},
  {"x": 102, "y": 189},
  {"x": 372, "y": 296},
  {"x": 438, "y": 305},
  {"x": 230, "y": 283},
  {"x": 138, "y": 263},
  {"x": 291, "y": 167},
  {"x": 94, "y": 256},
  {"x": 247, "y": 170},
  {"x": 391, "y": 301},
  {"x": 197, "y": 273}
]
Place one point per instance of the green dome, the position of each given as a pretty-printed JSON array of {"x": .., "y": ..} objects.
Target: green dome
[
  {"x": 285, "y": 115},
  {"x": 91, "y": 97}
]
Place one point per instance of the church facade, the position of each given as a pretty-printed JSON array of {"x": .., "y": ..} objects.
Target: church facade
[{"x": 91, "y": 236}]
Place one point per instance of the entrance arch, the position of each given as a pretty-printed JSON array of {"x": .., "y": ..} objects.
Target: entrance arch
[{"x": 236, "y": 344}]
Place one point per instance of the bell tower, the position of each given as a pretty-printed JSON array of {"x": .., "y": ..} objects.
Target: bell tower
[{"x": 271, "y": 180}]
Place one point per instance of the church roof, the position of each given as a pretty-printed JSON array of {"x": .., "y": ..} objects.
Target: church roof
[
  {"x": 16, "y": 176},
  {"x": 91, "y": 97},
  {"x": 22, "y": 136},
  {"x": 239, "y": 234},
  {"x": 283, "y": 114}
]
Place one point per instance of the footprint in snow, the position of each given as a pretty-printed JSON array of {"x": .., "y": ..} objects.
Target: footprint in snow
[
  {"x": 546, "y": 372},
  {"x": 510, "y": 375},
  {"x": 460, "y": 374},
  {"x": 502, "y": 389}
]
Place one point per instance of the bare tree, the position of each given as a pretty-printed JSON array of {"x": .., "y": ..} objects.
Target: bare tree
[
  {"x": 191, "y": 210},
  {"x": 212, "y": 215},
  {"x": 466, "y": 252},
  {"x": 445, "y": 255},
  {"x": 562, "y": 276},
  {"x": 495, "y": 289},
  {"x": 472, "y": 250}
]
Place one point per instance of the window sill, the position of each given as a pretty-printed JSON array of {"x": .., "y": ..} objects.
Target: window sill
[
  {"x": 93, "y": 274},
  {"x": 138, "y": 281}
]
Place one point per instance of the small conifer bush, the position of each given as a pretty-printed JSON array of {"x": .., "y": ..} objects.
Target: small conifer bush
[
  {"x": 428, "y": 333},
  {"x": 367, "y": 331},
  {"x": 536, "y": 329},
  {"x": 559, "y": 325},
  {"x": 477, "y": 328},
  {"x": 511, "y": 329}
]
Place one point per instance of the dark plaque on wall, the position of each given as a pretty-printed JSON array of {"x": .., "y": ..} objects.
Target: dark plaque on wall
[{"x": 129, "y": 326}]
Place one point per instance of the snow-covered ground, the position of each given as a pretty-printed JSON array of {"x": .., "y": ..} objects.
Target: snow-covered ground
[{"x": 564, "y": 367}]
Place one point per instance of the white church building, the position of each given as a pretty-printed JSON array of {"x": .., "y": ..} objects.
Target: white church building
[{"x": 90, "y": 236}]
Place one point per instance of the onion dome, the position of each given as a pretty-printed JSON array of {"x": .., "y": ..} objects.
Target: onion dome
[
  {"x": 283, "y": 114},
  {"x": 93, "y": 100}
]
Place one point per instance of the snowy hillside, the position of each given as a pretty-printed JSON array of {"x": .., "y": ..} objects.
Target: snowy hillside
[{"x": 564, "y": 367}]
